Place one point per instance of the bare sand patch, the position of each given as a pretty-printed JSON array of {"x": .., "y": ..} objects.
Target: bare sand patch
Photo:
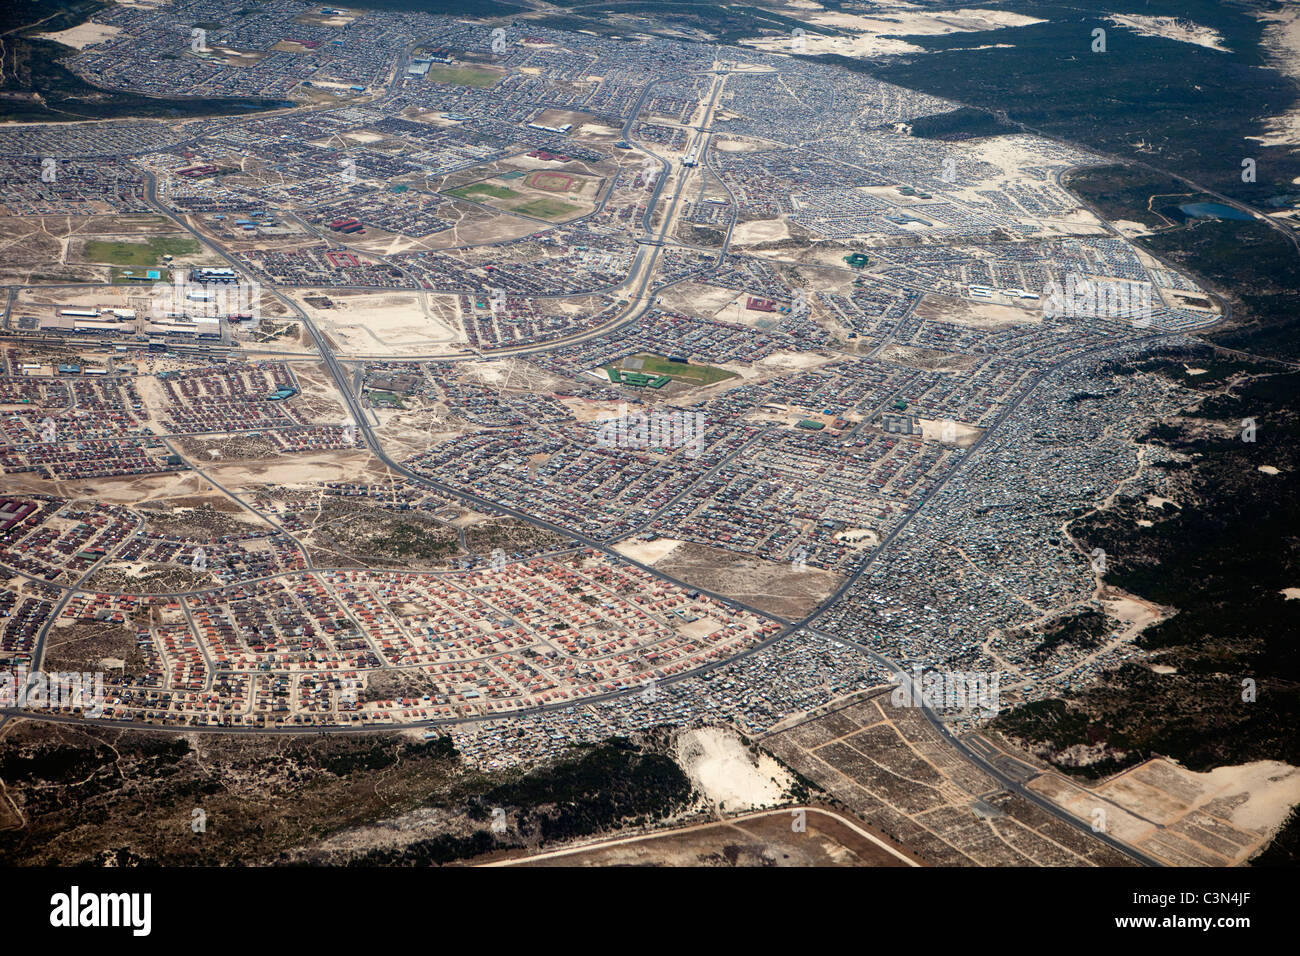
[
  {"x": 980, "y": 315},
  {"x": 1171, "y": 28},
  {"x": 1282, "y": 37},
  {"x": 1016, "y": 158},
  {"x": 877, "y": 33},
  {"x": 122, "y": 489},
  {"x": 1281, "y": 40},
  {"x": 727, "y": 773},
  {"x": 305, "y": 470},
  {"x": 587, "y": 411},
  {"x": 597, "y": 130},
  {"x": 82, "y": 35},
  {"x": 648, "y": 552},
  {"x": 387, "y": 323},
  {"x": 1161, "y": 790},
  {"x": 1218, "y": 818},
  {"x": 509, "y": 374},
  {"x": 696, "y": 298},
  {"x": 699, "y": 628},
  {"x": 949, "y": 432},
  {"x": 908, "y": 19},
  {"x": 793, "y": 361},
  {"x": 736, "y": 145},
  {"x": 1131, "y": 610},
  {"x": 468, "y": 519},
  {"x": 778, "y": 587},
  {"x": 487, "y": 373},
  {"x": 1084, "y": 804},
  {"x": 1131, "y": 229},
  {"x": 760, "y": 230},
  {"x": 768, "y": 367}
]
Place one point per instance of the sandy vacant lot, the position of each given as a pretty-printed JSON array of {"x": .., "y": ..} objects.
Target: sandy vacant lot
[
  {"x": 949, "y": 432},
  {"x": 126, "y": 489},
  {"x": 696, "y": 298},
  {"x": 792, "y": 361},
  {"x": 980, "y": 315},
  {"x": 302, "y": 470},
  {"x": 392, "y": 323},
  {"x": 647, "y": 552},
  {"x": 776, "y": 587},
  {"x": 509, "y": 374},
  {"x": 588, "y": 411},
  {"x": 760, "y": 230},
  {"x": 729, "y": 145}
]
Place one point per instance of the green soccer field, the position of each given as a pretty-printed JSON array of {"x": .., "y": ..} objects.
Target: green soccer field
[
  {"x": 474, "y": 190},
  {"x": 148, "y": 253},
  {"x": 690, "y": 374}
]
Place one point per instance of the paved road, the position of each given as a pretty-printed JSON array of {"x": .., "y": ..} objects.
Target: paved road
[{"x": 977, "y": 758}]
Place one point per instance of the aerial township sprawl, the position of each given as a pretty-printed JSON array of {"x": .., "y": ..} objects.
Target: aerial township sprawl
[{"x": 462, "y": 249}]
